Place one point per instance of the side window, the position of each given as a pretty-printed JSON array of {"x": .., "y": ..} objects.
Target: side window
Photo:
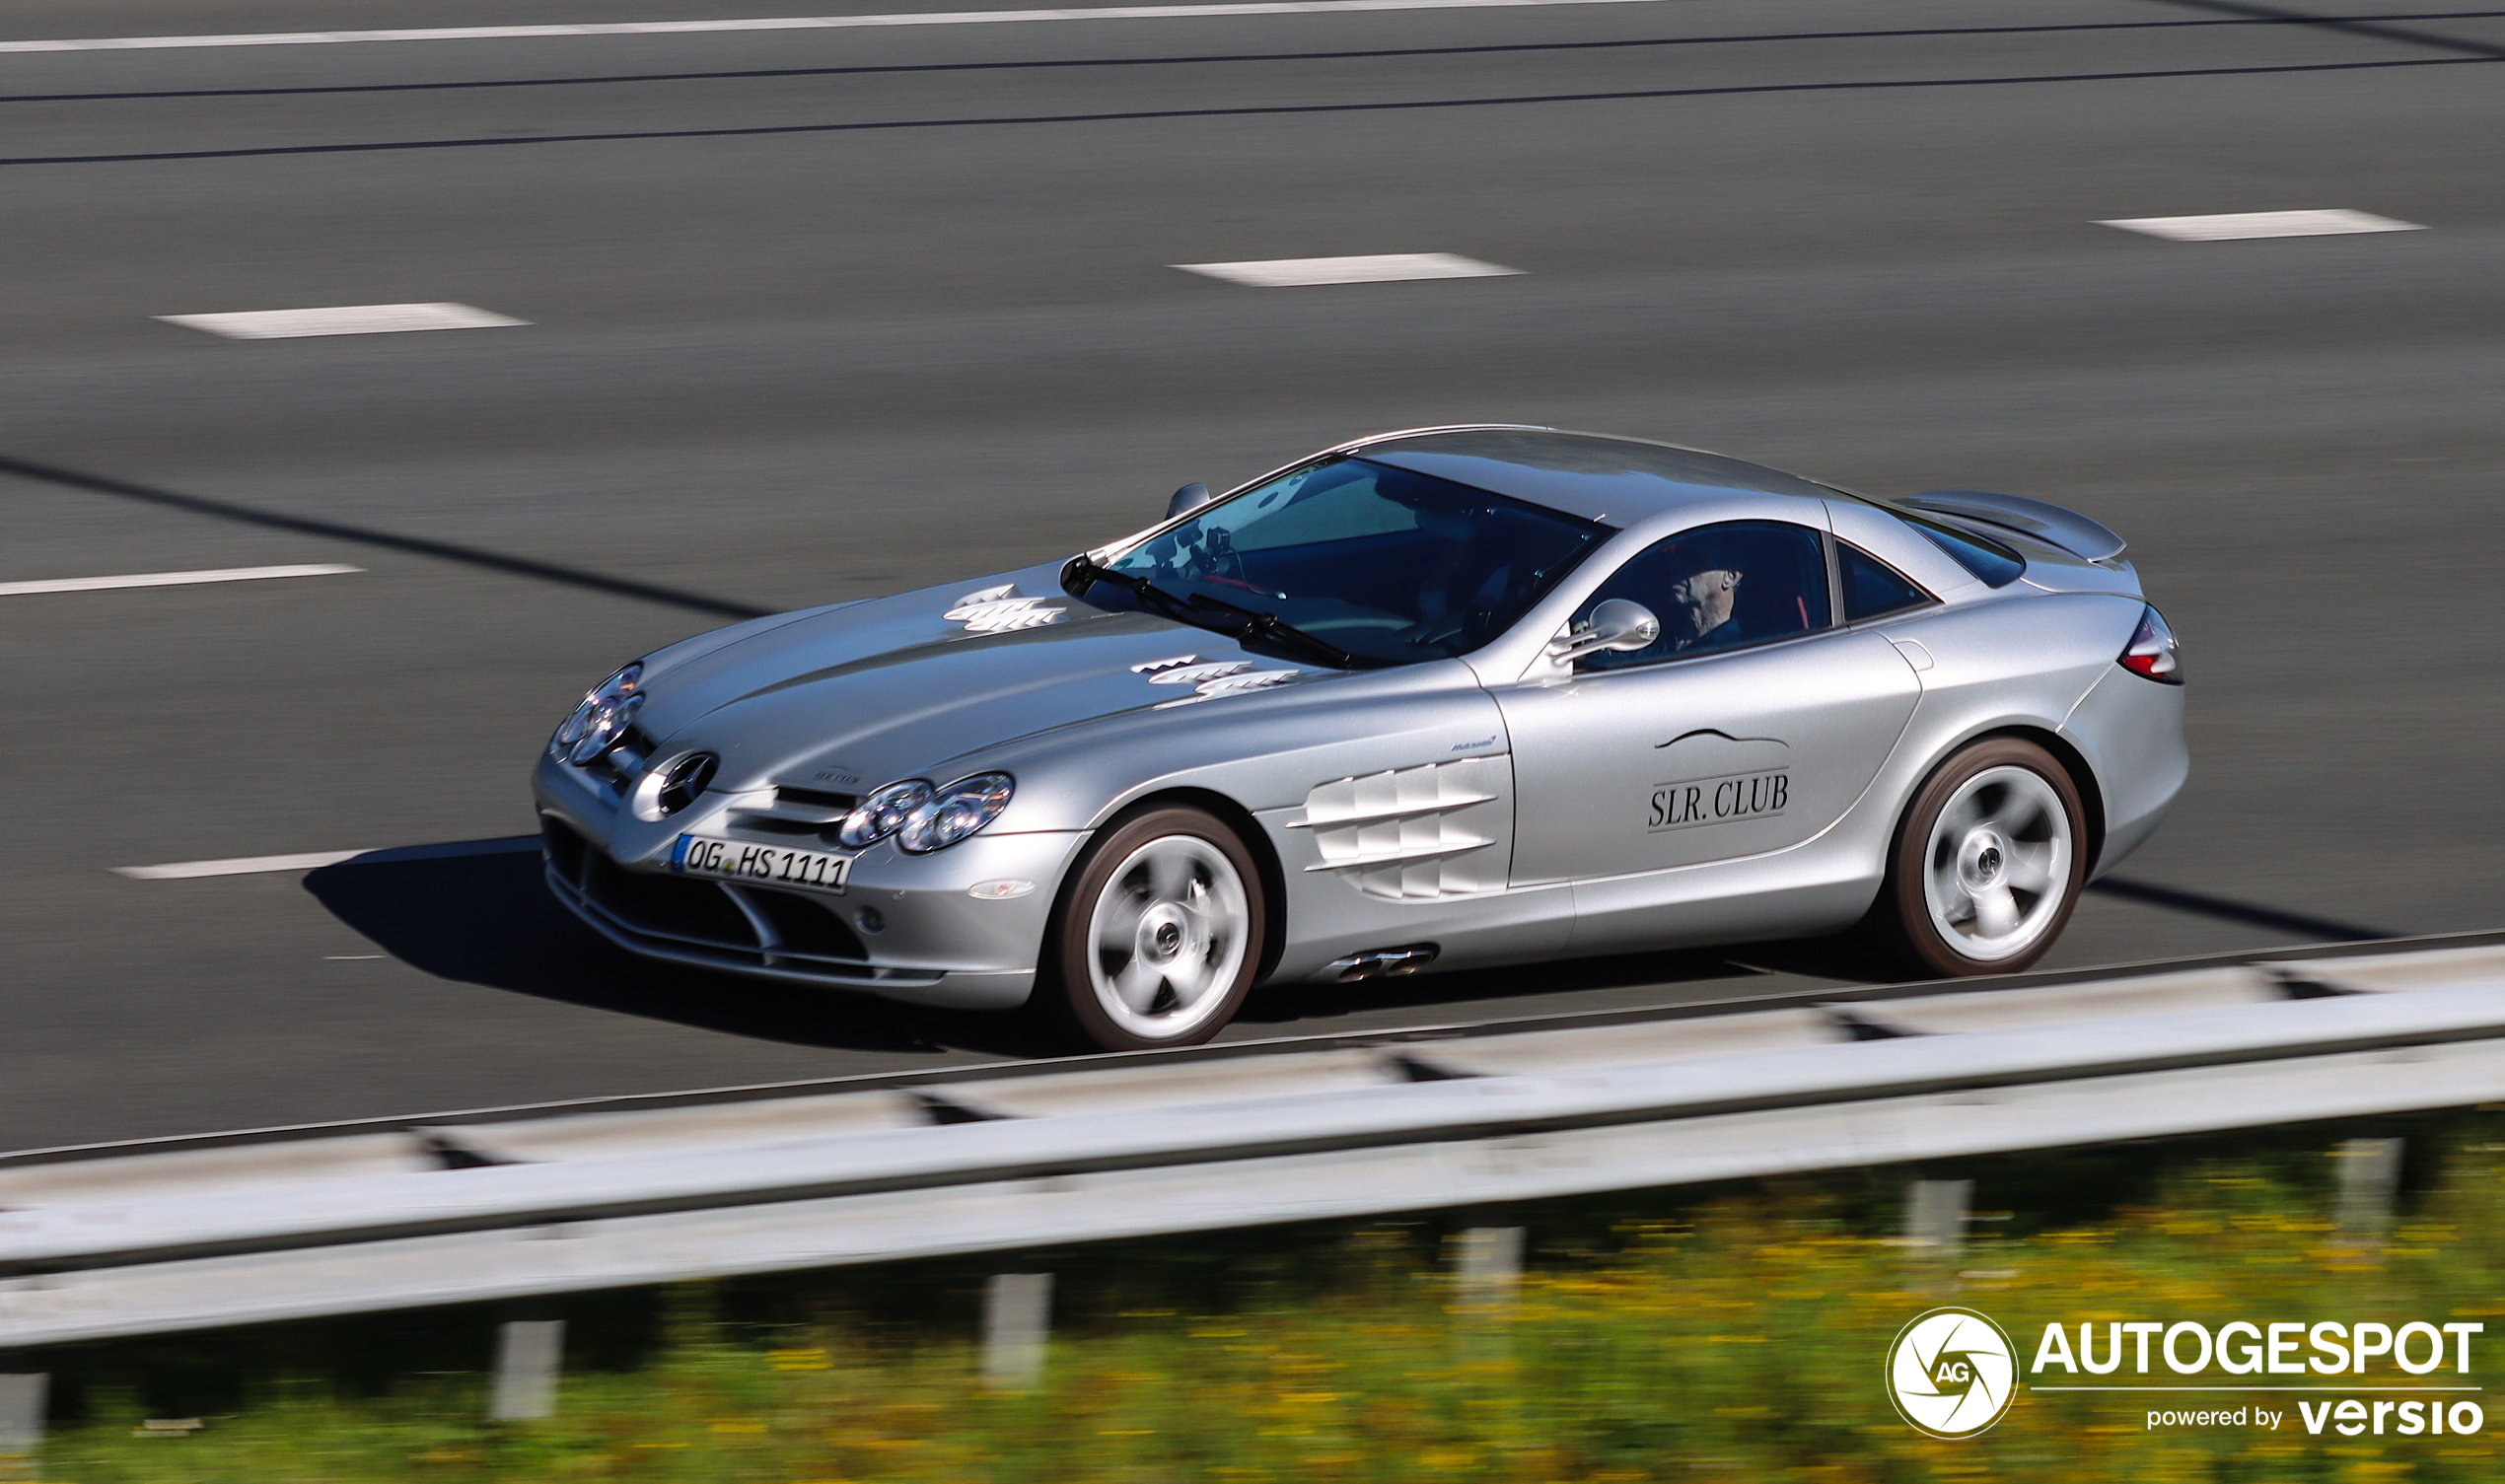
[
  {"x": 1719, "y": 587},
  {"x": 1872, "y": 588},
  {"x": 1993, "y": 564}
]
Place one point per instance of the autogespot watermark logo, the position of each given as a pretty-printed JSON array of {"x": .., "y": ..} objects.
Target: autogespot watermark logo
[{"x": 1952, "y": 1373}]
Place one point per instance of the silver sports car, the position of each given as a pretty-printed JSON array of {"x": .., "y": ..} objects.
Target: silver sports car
[{"x": 1443, "y": 698}]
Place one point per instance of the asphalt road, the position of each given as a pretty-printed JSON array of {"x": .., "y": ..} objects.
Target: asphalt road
[{"x": 815, "y": 314}]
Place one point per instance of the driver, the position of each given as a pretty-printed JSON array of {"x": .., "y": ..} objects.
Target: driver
[{"x": 1701, "y": 606}]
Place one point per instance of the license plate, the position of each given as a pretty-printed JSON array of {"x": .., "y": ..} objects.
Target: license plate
[{"x": 765, "y": 865}]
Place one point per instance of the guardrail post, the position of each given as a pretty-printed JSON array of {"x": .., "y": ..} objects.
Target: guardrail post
[
  {"x": 529, "y": 1353},
  {"x": 1486, "y": 1273},
  {"x": 1935, "y": 1215},
  {"x": 1488, "y": 1269},
  {"x": 1017, "y": 1316},
  {"x": 2369, "y": 1179},
  {"x": 21, "y": 1395}
]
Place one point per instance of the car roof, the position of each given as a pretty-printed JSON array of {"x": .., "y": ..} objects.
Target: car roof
[{"x": 1588, "y": 474}]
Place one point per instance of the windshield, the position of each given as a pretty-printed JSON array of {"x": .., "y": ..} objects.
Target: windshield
[{"x": 1386, "y": 565}]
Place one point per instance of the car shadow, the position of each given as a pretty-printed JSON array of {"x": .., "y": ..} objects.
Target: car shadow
[
  {"x": 1816, "y": 958},
  {"x": 481, "y": 914},
  {"x": 478, "y": 912}
]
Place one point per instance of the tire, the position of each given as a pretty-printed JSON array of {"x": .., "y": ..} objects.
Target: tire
[
  {"x": 1158, "y": 935},
  {"x": 1988, "y": 864}
]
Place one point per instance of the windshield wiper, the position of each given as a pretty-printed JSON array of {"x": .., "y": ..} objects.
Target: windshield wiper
[
  {"x": 1081, "y": 571},
  {"x": 1199, "y": 608},
  {"x": 1257, "y": 624}
]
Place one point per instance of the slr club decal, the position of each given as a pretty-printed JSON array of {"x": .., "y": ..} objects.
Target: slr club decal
[{"x": 1721, "y": 800}]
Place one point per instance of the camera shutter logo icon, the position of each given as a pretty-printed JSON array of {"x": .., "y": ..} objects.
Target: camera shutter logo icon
[{"x": 1952, "y": 1373}]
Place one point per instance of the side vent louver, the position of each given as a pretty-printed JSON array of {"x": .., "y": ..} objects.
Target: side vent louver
[{"x": 1411, "y": 833}]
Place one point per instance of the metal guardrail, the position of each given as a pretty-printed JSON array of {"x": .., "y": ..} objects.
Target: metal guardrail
[
  {"x": 1636, "y": 1019},
  {"x": 567, "y": 1201}
]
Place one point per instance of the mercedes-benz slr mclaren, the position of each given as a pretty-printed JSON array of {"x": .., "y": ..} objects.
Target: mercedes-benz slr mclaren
[{"x": 1436, "y": 699}]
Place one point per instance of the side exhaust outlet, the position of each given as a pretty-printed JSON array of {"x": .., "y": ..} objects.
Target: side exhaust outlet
[{"x": 1381, "y": 962}]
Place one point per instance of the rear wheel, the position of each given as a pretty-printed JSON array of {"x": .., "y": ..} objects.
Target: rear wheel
[
  {"x": 1989, "y": 863},
  {"x": 1158, "y": 935}
]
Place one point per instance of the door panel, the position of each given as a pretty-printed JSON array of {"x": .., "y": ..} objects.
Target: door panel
[{"x": 1631, "y": 776}]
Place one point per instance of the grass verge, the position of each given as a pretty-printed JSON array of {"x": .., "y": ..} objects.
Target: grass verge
[{"x": 1738, "y": 1338}]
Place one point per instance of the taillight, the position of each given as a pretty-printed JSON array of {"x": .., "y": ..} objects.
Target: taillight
[{"x": 2154, "y": 651}]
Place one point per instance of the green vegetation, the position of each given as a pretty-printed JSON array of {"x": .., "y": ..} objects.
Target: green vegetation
[{"x": 1738, "y": 1338}]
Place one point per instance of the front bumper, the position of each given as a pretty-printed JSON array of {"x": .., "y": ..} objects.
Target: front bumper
[{"x": 903, "y": 928}]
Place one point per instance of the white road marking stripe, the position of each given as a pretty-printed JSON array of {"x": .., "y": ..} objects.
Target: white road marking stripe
[
  {"x": 173, "y": 579},
  {"x": 343, "y": 320},
  {"x": 314, "y": 861},
  {"x": 781, "y": 23},
  {"x": 1378, "y": 267},
  {"x": 2245, "y": 224},
  {"x": 239, "y": 866}
]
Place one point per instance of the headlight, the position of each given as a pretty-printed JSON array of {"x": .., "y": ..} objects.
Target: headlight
[
  {"x": 924, "y": 819},
  {"x": 603, "y": 718},
  {"x": 954, "y": 813},
  {"x": 882, "y": 813}
]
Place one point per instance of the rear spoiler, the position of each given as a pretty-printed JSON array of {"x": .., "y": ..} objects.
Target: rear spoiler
[{"x": 2066, "y": 529}]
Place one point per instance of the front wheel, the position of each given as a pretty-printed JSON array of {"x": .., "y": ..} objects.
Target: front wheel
[
  {"x": 1988, "y": 864},
  {"x": 1157, "y": 940}
]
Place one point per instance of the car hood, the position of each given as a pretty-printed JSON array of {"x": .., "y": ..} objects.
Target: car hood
[{"x": 845, "y": 699}]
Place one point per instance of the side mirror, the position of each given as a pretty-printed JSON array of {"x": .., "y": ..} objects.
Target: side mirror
[
  {"x": 1189, "y": 497},
  {"x": 1617, "y": 624}
]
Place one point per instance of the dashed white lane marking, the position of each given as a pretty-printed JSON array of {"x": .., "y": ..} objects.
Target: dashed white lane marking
[
  {"x": 783, "y": 22},
  {"x": 251, "y": 865},
  {"x": 239, "y": 866},
  {"x": 2244, "y": 224},
  {"x": 343, "y": 320},
  {"x": 1378, "y": 267},
  {"x": 173, "y": 579}
]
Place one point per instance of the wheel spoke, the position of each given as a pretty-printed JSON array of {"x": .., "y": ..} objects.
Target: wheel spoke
[
  {"x": 1170, "y": 876},
  {"x": 1137, "y": 984},
  {"x": 1954, "y": 822},
  {"x": 1995, "y": 911},
  {"x": 1209, "y": 916},
  {"x": 1962, "y": 815},
  {"x": 2030, "y": 867},
  {"x": 2025, "y": 818},
  {"x": 1189, "y": 980},
  {"x": 1117, "y": 925}
]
